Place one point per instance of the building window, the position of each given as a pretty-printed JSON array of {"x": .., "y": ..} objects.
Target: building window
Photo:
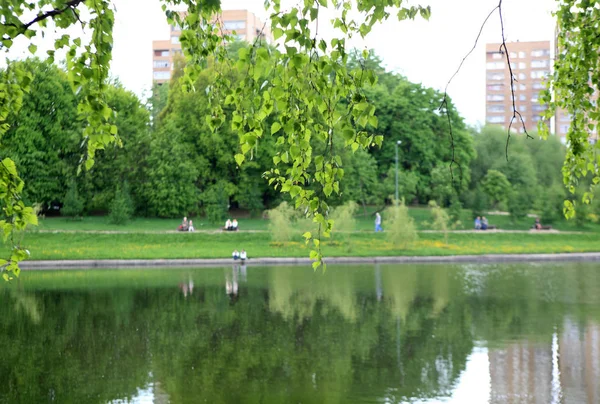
[
  {"x": 161, "y": 52},
  {"x": 495, "y": 87},
  {"x": 539, "y": 74},
  {"x": 494, "y": 65},
  {"x": 495, "y": 119},
  {"x": 521, "y": 55},
  {"x": 176, "y": 27},
  {"x": 522, "y": 97},
  {"x": 176, "y": 51},
  {"x": 565, "y": 118},
  {"x": 495, "y": 76},
  {"x": 513, "y": 55},
  {"x": 162, "y": 75},
  {"x": 522, "y": 76},
  {"x": 522, "y": 108},
  {"x": 495, "y": 97},
  {"x": 536, "y": 64},
  {"x": 537, "y": 118},
  {"x": 231, "y": 25},
  {"x": 538, "y": 53},
  {"x": 539, "y": 108},
  {"x": 496, "y": 108},
  {"x": 522, "y": 65},
  {"x": 535, "y": 97},
  {"x": 538, "y": 85},
  {"x": 161, "y": 64},
  {"x": 522, "y": 87},
  {"x": 175, "y": 39}
]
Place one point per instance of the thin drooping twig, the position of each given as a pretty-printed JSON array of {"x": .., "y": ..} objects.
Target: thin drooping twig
[
  {"x": 504, "y": 49},
  {"x": 444, "y": 103}
]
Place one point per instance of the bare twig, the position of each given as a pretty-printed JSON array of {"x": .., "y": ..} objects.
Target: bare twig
[
  {"x": 516, "y": 113},
  {"x": 504, "y": 50}
]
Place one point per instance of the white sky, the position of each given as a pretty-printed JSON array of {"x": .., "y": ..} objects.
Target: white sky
[{"x": 428, "y": 52}]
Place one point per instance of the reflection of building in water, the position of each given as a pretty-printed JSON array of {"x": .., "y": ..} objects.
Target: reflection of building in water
[
  {"x": 579, "y": 362},
  {"x": 521, "y": 373}
]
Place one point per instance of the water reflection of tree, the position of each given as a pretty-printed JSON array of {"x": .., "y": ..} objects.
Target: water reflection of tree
[
  {"x": 85, "y": 349},
  {"x": 295, "y": 336}
]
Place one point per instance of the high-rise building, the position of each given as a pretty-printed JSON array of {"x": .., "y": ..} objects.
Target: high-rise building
[
  {"x": 531, "y": 63},
  {"x": 246, "y": 25}
]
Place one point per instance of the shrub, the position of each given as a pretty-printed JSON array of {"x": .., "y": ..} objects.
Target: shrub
[
  {"x": 121, "y": 207},
  {"x": 440, "y": 219},
  {"x": 73, "y": 204},
  {"x": 344, "y": 222},
  {"x": 400, "y": 228},
  {"x": 281, "y": 221},
  {"x": 343, "y": 218}
]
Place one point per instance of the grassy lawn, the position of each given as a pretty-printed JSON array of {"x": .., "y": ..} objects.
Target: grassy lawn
[
  {"x": 421, "y": 215},
  {"x": 220, "y": 245}
]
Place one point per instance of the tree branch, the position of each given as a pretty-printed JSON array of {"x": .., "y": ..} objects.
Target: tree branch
[{"x": 49, "y": 14}]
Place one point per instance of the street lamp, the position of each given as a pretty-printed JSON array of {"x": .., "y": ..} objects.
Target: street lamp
[{"x": 398, "y": 143}]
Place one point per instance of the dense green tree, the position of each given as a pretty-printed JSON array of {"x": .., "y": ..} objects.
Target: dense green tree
[
  {"x": 73, "y": 203},
  {"x": 116, "y": 164},
  {"x": 171, "y": 175},
  {"x": 43, "y": 138},
  {"x": 121, "y": 207},
  {"x": 496, "y": 186}
]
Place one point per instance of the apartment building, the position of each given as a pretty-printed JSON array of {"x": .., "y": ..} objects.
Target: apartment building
[
  {"x": 246, "y": 25},
  {"x": 531, "y": 63}
]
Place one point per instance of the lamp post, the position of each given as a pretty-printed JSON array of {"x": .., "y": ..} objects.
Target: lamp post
[{"x": 398, "y": 143}]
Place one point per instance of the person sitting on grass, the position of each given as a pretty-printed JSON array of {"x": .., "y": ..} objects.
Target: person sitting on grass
[
  {"x": 227, "y": 225},
  {"x": 538, "y": 225},
  {"x": 484, "y": 223},
  {"x": 191, "y": 226},
  {"x": 477, "y": 223},
  {"x": 236, "y": 255},
  {"x": 234, "y": 225},
  {"x": 184, "y": 225},
  {"x": 243, "y": 255}
]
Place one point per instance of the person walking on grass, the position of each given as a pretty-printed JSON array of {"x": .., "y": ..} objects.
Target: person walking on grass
[{"x": 378, "y": 222}]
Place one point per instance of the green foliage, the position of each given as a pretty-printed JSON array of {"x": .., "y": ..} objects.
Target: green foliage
[
  {"x": 43, "y": 136},
  {"x": 73, "y": 203},
  {"x": 171, "y": 175},
  {"x": 121, "y": 208},
  {"x": 400, "y": 228},
  {"x": 519, "y": 204},
  {"x": 343, "y": 218},
  {"x": 215, "y": 201},
  {"x": 573, "y": 88},
  {"x": 271, "y": 99},
  {"x": 496, "y": 187},
  {"x": 281, "y": 222},
  {"x": 458, "y": 216},
  {"x": 440, "y": 219},
  {"x": 550, "y": 204}
]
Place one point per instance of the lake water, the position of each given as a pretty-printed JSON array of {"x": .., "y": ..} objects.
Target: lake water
[{"x": 357, "y": 334}]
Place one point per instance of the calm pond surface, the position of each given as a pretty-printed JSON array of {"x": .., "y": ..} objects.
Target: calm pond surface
[{"x": 357, "y": 334}]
